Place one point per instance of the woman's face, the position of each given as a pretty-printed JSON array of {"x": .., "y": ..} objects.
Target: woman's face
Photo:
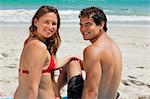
[{"x": 46, "y": 25}]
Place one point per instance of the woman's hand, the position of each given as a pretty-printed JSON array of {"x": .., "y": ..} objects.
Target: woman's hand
[
  {"x": 64, "y": 61},
  {"x": 75, "y": 57}
]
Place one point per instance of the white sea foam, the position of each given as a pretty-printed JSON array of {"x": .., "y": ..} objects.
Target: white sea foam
[{"x": 25, "y": 16}]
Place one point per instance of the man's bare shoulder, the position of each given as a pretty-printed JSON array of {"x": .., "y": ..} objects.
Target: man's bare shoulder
[
  {"x": 95, "y": 48},
  {"x": 93, "y": 51}
]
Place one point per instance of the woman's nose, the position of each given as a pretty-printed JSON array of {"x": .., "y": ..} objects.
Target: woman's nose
[{"x": 50, "y": 25}]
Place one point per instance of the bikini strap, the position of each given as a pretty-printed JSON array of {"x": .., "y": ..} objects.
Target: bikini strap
[
  {"x": 48, "y": 70},
  {"x": 24, "y": 71},
  {"x": 51, "y": 66}
]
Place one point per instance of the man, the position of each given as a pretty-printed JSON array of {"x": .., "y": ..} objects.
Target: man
[{"x": 102, "y": 59}]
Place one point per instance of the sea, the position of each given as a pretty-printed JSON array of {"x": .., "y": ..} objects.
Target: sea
[{"x": 118, "y": 12}]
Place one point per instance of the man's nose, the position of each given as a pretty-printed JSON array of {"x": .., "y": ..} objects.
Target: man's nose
[{"x": 83, "y": 28}]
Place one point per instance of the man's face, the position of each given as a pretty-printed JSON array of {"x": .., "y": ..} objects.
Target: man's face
[{"x": 88, "y": 28}]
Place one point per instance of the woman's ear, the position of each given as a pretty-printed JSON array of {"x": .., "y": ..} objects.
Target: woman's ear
[{"x": 35, "y": 21}]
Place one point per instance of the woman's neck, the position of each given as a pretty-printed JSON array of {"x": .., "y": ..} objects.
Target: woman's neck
[{"x": 37, "y": 37}]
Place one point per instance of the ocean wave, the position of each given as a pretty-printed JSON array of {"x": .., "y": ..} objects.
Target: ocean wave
[{"x": 25, "y": 16}]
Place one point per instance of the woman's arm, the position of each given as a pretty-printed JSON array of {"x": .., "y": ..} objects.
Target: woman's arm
[
  {"x": 36, "y": 56},
  {"x": 62, "y": 79},
  {"x": 64, "y": 61},
  {"x": 56, "y": 90}
]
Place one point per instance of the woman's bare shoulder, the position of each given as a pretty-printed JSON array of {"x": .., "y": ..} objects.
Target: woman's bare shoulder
[{"x": 36, "y": 44}]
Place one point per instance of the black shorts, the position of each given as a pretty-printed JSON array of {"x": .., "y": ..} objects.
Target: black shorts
[{"x": 75, "y": 87}]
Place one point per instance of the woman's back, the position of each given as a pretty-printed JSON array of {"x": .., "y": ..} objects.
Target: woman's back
[{"x": 45, "y": 88}]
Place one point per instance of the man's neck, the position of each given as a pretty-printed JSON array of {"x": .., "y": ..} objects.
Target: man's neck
[{"x": 97, "y": 37}]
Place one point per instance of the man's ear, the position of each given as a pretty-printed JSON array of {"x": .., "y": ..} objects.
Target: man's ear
[
  {"x": 35, "y": 21},
  {"x": 102, "y": 24}
]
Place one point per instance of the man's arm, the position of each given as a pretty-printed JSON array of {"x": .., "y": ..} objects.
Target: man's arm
[{"x": 93, "y": 73}]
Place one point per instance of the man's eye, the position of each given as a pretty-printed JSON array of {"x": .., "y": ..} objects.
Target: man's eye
[{"x": 88, "y": 24}]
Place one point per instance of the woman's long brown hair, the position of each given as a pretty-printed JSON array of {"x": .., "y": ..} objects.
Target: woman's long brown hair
[{"x": 54, "y": 41}]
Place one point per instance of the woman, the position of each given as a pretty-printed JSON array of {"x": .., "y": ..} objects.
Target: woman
[{"x": 36, "y": 77}]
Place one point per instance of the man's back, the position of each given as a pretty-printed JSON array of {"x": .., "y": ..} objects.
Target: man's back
[
  {"x": 111, "y": 64},
  {"x": 103, "y": 62}
]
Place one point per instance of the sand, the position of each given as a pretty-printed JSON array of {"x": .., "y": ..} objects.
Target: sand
[{"x": 134, "y": 42}]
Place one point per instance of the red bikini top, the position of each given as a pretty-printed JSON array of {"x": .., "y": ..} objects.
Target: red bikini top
[
  {"x": 48, "y": 70},
  {"x": 51, "y": 64}
]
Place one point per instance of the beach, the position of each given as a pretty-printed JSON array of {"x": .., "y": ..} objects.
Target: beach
[
  {"x": 134, "y": 42},
  {"x": 128, "y": 25}
]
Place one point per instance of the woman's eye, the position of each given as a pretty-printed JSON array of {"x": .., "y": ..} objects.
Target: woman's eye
[
  {"x": 53, "y": 23},
  {"x": 46, "y": 22}
]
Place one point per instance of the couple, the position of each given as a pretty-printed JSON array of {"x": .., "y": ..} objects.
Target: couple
[{"x": 101, "y": 62}]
